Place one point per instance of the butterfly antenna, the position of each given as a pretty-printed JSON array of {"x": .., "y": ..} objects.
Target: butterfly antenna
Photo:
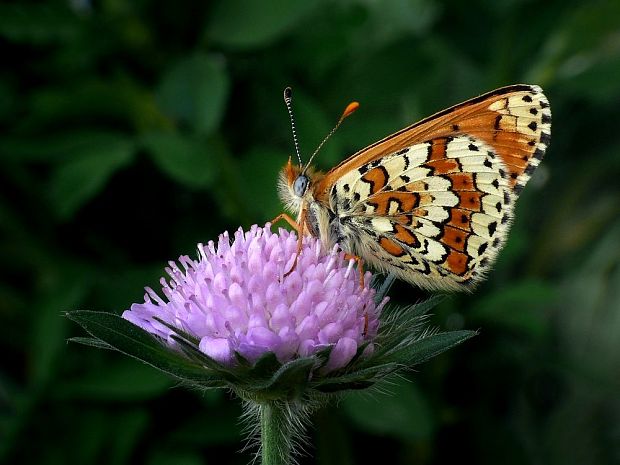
[
  {"x": 351, "y": 107},
  {"x": 288, "y": 98}
]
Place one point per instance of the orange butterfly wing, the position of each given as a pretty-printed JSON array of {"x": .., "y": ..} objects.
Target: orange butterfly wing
[
  {"x": 514, "y": 120},
  {"x": 433, "y": 202}
]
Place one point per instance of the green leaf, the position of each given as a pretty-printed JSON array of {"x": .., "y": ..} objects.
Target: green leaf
[
  {"x": 398, "y": 409},
  {"x": 37, "y": 24},
  {"x": 122, "y": 380},
  {"x": 130, "y": 427},
  {"x": 189, "y": 161},
  {"x": 194, "y": 92},
  {"x": 358, "y": 379},
  {"x": 265, "y": 366},
  {"x": 247, "y": 24},
  {"x": 259, "y": 174},
  {"x": 48, "y": 331},
  {"x": 520, "y": 307},
  {"x": 425, "y": 348},
  {"x": 290, "y": 380},
  {"x": 91, "y": 342},
  {"x": 77, "y": 181},
  {"x": 59, "y": 147},
  {"x": 135, "y": 342}
]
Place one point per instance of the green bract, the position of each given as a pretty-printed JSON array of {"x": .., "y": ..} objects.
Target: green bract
[{"x": 402, "y": 342}]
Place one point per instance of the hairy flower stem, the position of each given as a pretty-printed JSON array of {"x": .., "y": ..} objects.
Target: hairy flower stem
[{"x": 275, "y": 434}]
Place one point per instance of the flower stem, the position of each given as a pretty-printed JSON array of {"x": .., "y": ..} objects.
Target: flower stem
[{"x": 275, "y": 434}]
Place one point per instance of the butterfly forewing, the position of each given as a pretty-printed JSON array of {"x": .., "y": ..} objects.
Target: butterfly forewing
[
  {"x": 515, "y": 120},
  {"x": 433, "y": 202}
]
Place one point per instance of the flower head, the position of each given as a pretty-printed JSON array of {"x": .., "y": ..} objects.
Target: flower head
[{"x": 237, "y": 300}]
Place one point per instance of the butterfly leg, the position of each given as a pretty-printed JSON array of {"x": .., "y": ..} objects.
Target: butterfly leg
[
  {"x": 297, "y": 226},
  {"x": 300, "y": 237},
  {"x": 284, "y": 217},
  {"x": 360, "y": 265}
]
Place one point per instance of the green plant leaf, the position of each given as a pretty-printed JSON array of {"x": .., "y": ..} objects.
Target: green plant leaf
[
  {"x": 59, "y": 147},
  {"x": 253, "y": 23},
  {"x": 122, "y": 380},
  {"x": 259, "y": 170},
  {"x": 398, "y": 409},
  {"x": 290, "y": 380},
  {"x": 49, "y": 330},
  {"x": 91, "y": 342},
  {"x": 520, "y": 306},
  {"x": 37, "y": 24},
  {"x": 425, "y": 348},
  {"x": 194, "y": 92},
  {"x": 358, "y": 379},
  {"x": 189, "y": 161},
  {"x": 135, "y": 342},
  {"x": 74, "y": 183}
]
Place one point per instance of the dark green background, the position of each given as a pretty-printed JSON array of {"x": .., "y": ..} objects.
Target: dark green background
[{"x": 130, "y": 131}]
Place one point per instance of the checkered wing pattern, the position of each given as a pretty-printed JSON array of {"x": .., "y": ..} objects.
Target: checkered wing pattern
[{"x": 434, "y": 202}]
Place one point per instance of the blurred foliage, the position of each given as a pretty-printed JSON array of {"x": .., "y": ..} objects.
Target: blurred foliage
[{"x": 130, "y": 131}]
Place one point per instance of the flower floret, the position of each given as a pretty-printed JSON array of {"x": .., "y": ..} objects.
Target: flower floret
[{"x": 237, "y": 299}]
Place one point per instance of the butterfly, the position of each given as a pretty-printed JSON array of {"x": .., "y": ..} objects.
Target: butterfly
[{"x": 433, "y": 202}]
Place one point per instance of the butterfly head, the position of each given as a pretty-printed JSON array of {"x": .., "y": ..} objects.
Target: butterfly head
[{"x": 295, "y": 185}]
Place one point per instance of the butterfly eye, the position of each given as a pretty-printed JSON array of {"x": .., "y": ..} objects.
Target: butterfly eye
[{"x": 300, "y": 185}]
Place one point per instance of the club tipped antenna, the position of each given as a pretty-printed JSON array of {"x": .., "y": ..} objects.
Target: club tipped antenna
[
  {"x": 288, "y": 98},
  {"x": 351, "y": 107}
]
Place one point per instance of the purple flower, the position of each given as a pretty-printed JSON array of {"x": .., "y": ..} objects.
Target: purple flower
[{"x": 235, "y": 298}]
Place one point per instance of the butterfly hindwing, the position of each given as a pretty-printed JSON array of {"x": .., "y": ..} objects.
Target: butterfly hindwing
[{"x": 434, "y": 213}]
